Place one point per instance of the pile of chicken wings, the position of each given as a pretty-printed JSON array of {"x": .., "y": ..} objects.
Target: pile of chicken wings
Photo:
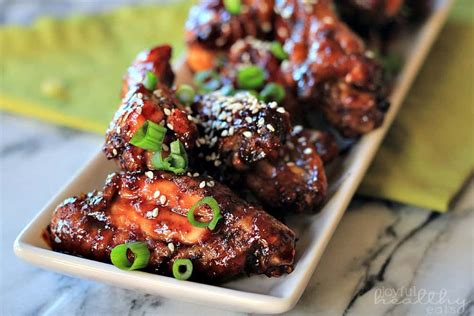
[{"x": 242, "y": 145}]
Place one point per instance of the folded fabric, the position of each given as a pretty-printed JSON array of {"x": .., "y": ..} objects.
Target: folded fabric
[
  {"x": 69, "y": 71},
  {"x": 428, "y": 153}
]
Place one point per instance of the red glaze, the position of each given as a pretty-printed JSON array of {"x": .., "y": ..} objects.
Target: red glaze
[
  {"x": 246, "y": 240},
  {"x": 156, "y": 60}
]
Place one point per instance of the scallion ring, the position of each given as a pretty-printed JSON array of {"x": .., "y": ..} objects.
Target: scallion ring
[
  {"x": 250, "y": 77},
  {"x": 178, "y": 265},
  {"x": 212, "y": 203},
  {"x": 233, "y": 6},
  {"x": 150, "y": 81},
  {"x": 149, "y": 136},
  {"x": 273, "y": 92},
  {"x": 176, "y": 162},
  {"x": 207, "y": 81},
  {"x": 119, "y": 256},
  {"x": 277, "y": 50},
  {"x": 185, "y": 94}
]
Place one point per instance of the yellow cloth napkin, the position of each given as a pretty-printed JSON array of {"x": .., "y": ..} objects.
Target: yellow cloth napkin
[{"x": 69, "y": 72}]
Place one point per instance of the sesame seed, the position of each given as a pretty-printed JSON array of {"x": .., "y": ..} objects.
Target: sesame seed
[
  {"x": 308, "y": 151},
  {"x": 224, "y": 133},
  {"x": 248, "y": 119},
  {"x": 281, "y": 110},
  {"x": 156, "y": 194},
  {"x": 171, "y": 247},
  {"x": 163, "y": 199},
  {"x": 165, "y": 147},
  {"x": 57, "y": 240},
  {"x": 114, "y": 152},
  {"x": 202, "y": 184},
  {"x": 301, "y": 139},
  {"x": 231, "y": 131},
  {"x": 297, "y": 129},
  {"x": 196, "y": 174},
  {"x": 247, "y": 134},
  {"x": 149, "y": 174},
  {"x": 170, "y": 126},
  {"x": 270, "y": 127},
  {"x": 217, "y": 163},
  {"x": 261, "y": 121},
  {"x": 155, "y": 212},
  {"x": 167, "y": 111},
  {"x": 211, "y": 183}
]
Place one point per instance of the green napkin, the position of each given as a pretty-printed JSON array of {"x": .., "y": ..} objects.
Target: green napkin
[
  {"x": 69, "y": 72},
  {"x": 428, "y": 153}
]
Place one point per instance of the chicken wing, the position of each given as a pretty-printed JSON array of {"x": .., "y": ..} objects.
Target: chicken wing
[
  {"x": 152, "y": 208},
  {"x": 155, "y": 60},
  {"x": 159, "y": 106},
  {"x": 328, "y": 65},
  {"x": 295, "y": 180},
  {"x": 237, "y": 131}
]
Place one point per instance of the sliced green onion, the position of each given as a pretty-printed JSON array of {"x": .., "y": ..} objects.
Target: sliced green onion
[
  {"x": 207, "y": 81},
  {"x": 185, "y": 94},
  {"x": 176, "y": 162},
  {"x": 277, "y": 50},
  {"x": 212, "y": 203},
  {"x": 233, "y": 6},
  {"x": 250, "y": 77},
  {"x": 272, "y": 92},
  {"x": 149, "y": 136},
  {"x": 140, "y": 251},
  {"x": 150, "y": 81},
  {"x": 179, "y": 264}
]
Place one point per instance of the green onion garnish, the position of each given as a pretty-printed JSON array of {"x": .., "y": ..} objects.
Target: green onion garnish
[
  {"x": 278, "y": 51},
  {"x": 207, "y": 81},
  {"x": 150, "y": 81},
  {"x": 233, "y": 6},
  {"x": 149, "y": 136},
  {"x": 176, "y": 162},
  {"x": 178, "y": 265},
  {"x": 212, "y": 203},
  {"x": 185, "y": 94},
  {"x": 250, "y": 77},
  {"x": 272, "y": 92},
  {"x": 140, "y": 251}
]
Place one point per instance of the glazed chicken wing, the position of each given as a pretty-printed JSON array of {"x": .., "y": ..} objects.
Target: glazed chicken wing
[
  {"x": 295, "y": 180},
  {"x": 159, "y": 106},
  {"x": 155, "y": 60},
  {"x": 239, "y": 130},
  {"x": 328, "y": 65},
  {"x": 152, "y": 208}
]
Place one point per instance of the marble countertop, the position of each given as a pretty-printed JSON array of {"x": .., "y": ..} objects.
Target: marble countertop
[{"x": 384, "y": 259}]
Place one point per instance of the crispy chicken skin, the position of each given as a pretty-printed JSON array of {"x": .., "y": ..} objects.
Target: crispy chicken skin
[
  {"x": 246, "y": 240},
  {"x": 328, "y": 64},
  {"x": 140, "y": 105},
  {"x": 155, "y": 60},
  {"x": 237, "y": 131},
  {"x": 294, "y": 181}
]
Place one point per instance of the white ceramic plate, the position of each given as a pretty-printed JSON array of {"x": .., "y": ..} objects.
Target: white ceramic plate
[{"x": 256, "y": 294}]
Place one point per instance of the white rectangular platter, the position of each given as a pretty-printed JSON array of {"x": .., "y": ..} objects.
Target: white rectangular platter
[{"x": 255, "y": 294}]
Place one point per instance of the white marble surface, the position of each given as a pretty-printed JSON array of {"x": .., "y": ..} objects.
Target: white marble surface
[{"x": 384, "y": 259}]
